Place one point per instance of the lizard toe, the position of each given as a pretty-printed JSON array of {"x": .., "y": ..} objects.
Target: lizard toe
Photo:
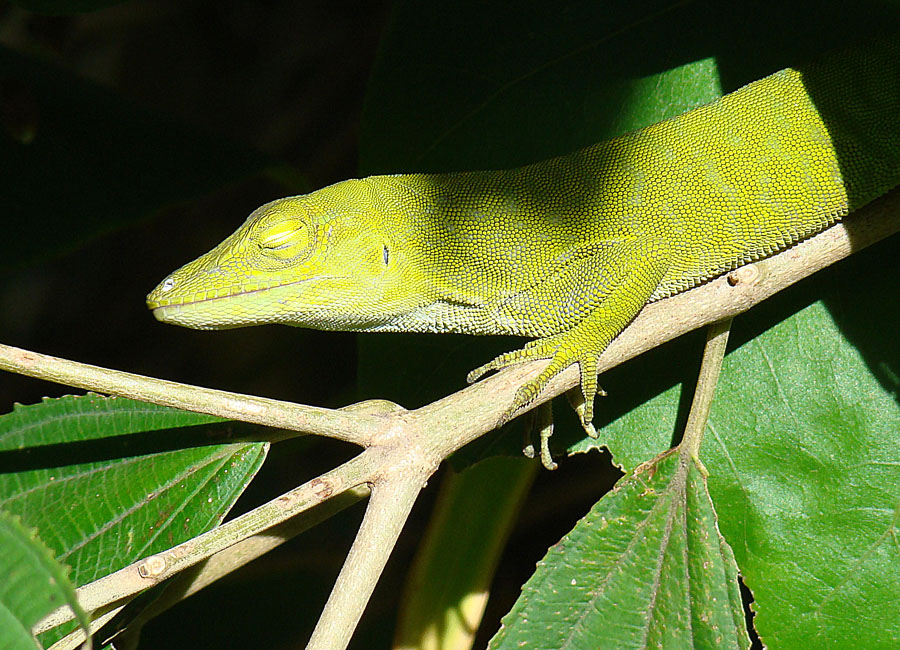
[{"x": 533, "y": 350}]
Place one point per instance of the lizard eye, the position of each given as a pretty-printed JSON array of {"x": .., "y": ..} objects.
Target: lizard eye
[{"x": 285, "y": 239}]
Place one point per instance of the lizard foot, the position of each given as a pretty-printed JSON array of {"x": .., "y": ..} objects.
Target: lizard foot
[{"x": 562, "y": 352}]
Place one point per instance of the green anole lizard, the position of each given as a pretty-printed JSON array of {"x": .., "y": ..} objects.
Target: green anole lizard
[{"x": 570, "y": 249}]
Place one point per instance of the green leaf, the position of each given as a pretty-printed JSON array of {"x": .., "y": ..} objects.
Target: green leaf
[
  {"x": 646, "y": 567},
  {"x": 33, "y": 585},
  {"x": 802, "y": 449},
  {"x": 474, "y": 85},
  {"x": 102, "y": 505},
  {"x": 806, "y": 477},
  {"x": 106, "y": 481}
]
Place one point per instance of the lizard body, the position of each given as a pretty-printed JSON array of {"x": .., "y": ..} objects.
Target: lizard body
[{"x": 567, "y": 250}]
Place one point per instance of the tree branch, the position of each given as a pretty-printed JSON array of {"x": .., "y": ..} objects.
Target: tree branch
[
  {"x": 389, "y": 506},
  {"x": 349, "y": 427}
]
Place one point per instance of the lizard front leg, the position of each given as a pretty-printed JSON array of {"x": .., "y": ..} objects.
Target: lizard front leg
[{"x": 614, "y": 286}]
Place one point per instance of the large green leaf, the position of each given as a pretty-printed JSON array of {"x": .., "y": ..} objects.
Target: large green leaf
[
  {"x": 473, "y": 85},
  {"x": 100, "y": 505},
  {"x": 106, "y": 481},
  {"x": 805, "y": 482}
]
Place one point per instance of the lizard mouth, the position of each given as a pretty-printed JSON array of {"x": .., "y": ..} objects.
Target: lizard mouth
[
  {"x": 222, "y": 309},
  {"x": 214, "y": 309},
  {"x": 201, "y": 314},
  {"x": 156, "y": 301},
  {"x": 163, "y": 313}
]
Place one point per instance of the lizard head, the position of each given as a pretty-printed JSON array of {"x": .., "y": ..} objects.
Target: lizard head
[{"x": 325, "y": 260}]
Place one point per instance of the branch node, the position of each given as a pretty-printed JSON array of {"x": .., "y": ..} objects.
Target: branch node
[
  {"x": 749, "y": 274},
  {"x": 153, "y": 567}
]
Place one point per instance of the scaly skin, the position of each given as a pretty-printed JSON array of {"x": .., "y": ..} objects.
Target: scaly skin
[{"x": 570, "y": 249}]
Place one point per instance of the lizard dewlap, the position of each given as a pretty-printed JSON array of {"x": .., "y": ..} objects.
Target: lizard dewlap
[{"x": 570, "y": 249}]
